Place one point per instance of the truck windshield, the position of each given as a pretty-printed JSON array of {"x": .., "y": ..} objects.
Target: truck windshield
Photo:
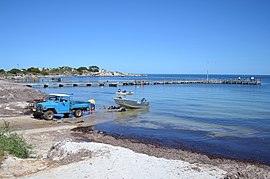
[{"x": 52, "y": 98}]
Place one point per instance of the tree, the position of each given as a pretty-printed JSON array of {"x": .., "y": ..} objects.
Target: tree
[
  {"x": 81, "y": 69},
  {"x": 14, "y": 71},
  {"x": 65, "y": 68},
  {"x": 55, "y": 71},
  {"x": 2, "y": 71},
  {"x": 33, "y": 70},
  {"x": 93, "y": 68},
  {"x": 44, "y": 73},
  {"x": 24, "y": 71}
]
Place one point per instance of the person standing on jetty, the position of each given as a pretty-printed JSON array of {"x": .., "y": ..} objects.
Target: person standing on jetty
[{"x": 92, "y": 104}]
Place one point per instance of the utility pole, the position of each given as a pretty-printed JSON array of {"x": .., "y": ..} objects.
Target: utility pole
[
  {"x": 207, "y": 72},
  {"x": 207, "y": 76}
]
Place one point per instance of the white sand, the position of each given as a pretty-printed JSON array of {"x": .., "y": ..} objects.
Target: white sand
[{"x": 108, "y": 161}]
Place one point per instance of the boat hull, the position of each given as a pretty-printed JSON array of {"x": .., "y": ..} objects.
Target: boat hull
[
  {"x": 133, "y": 104},
  {"x": 125, "y": 93}
]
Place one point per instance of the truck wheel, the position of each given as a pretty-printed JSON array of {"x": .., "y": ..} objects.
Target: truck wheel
[
  {"x": 66, "y": 115},
  {"x": 48, "y": 115},
  {"x": 78, "y": 113}
]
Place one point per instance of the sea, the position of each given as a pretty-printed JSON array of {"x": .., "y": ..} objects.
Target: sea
[{"x": 219, "y": 120}]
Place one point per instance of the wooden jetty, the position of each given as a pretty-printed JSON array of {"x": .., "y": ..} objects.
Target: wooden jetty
[{"x": 139, "y": 82}]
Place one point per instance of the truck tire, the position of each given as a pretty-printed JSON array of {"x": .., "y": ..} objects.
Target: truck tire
[
  {"x": 48, "y": 115},
  {"x": 78, "y": 113},
  {"x": 66, "y": 115}
]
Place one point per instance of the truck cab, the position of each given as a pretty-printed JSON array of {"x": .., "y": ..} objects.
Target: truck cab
[{"x": 59, "y": 104}]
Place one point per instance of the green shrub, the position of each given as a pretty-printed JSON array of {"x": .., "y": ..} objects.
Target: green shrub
[
  {"x": 2, "y": 71},
  {"x": 93, "y": 68},
  {"x": 14, "y": 71},
  {"x": 13, "y": 143}
]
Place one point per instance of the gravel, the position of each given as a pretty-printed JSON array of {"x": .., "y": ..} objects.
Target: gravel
[{"x": 14, "y": 98}]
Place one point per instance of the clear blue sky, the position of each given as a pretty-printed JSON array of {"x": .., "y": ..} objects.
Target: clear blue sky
[{"x": 138, "y": 36}]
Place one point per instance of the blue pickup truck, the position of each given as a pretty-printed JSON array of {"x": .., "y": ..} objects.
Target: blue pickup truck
[{"x": 59, "y": 104}]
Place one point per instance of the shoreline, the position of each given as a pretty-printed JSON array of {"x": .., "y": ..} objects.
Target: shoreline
[
  {"x": 83, "y": 127},
  {"x": 57, "y": 132},
  {"x": 184, "y": 149},
  {"x": 234, "y": 166}
]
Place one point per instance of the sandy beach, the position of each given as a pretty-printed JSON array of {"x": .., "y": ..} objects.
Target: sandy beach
[{"x": 64, "y": 148}]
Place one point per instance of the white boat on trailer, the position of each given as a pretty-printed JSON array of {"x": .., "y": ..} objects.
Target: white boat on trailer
[{"x": 129, "y": 103}]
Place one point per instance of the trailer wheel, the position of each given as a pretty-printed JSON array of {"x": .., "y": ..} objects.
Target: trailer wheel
[
  {"x": 66, "y": 115},
  {"x": 37, "y": 115},
  {"x": 78, "y": 113},
  {"x": 48, "y": 115}
]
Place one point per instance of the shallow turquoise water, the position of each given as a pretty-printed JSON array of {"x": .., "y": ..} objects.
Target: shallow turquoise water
[{"x": 223, "y": 120}]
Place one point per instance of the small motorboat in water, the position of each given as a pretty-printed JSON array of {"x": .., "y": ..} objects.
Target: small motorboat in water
[
  {"x": 124, "y": 92},
  {"x": 129, "y": 103}
]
